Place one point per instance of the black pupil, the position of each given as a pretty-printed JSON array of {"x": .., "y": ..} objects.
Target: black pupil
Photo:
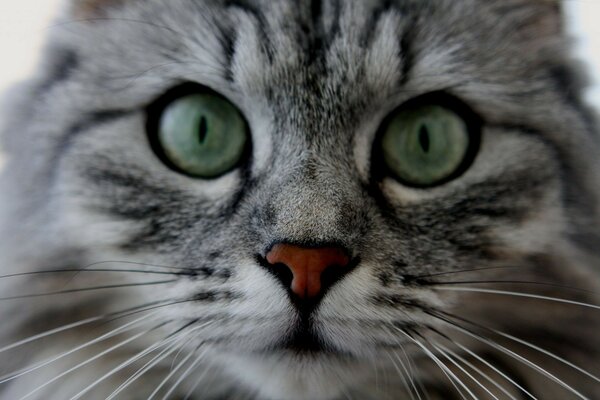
[
  {"x": 424, "y": 138},
  {"x": 203, "y": 130}
]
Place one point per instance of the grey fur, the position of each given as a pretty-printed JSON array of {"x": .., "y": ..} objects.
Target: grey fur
[{"x": 315, "y": 81}]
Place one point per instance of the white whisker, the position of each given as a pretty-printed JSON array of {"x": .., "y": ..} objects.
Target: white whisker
[
  {"x": 519, "y": 294},
  {"x": 122, "y": 329},
  {"x": 449, "y": 374},
  {"x": 133, "y": 359},
  {"x": 404, "y": 376},
  {"x": 415, "y": 376},
  {"x": 192, "y": 390},
  {"x": 478, "y": 370},
  {"x": 521, "y": 359},
  {"x": 82, "y": 364},
  {"x": 170, "y": 375},
  {"x": 495, "y": 369},
  {"x": 447, "y": 357},
  {"x": 145, "y": 368},
  {"x": 546, "y": 352},
  {"x": 50, "y": 333},
  {"x": 185, "y": 374},
  {"x": 178, "y": 338}
]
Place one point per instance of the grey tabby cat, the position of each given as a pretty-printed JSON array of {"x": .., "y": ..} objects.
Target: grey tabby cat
[{"x": 278, "y": 199}]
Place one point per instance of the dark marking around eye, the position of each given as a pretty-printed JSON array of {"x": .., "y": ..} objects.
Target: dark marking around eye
[
  {"x": 424, "y": 138},
  {"x": 87, "y": 122},
  {"x": 203, "y": 130},
  {"x": 164, "y": 217}
]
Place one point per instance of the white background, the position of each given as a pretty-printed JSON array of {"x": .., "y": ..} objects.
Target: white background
[{"x": 24, "y": 23}]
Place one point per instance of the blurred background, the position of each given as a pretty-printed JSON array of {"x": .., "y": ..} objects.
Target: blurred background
[{"x": 24, "y": 23}]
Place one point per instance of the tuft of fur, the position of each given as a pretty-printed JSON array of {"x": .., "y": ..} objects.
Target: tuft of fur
[{"x": 123, "y": 277}]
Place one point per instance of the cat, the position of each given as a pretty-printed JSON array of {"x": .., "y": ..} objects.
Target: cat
[{"x": 281, "y": 200}]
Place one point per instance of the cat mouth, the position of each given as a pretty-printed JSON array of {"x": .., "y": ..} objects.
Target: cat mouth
[
  {"x": 308, "y": 348},
  {"x": 303, "y": 340}
]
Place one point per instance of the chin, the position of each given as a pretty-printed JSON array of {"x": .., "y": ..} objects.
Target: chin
[{"x": 286, "y": 374}]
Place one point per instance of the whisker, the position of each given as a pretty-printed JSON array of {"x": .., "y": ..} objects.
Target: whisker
[
  {"x": 520, "y": 294},
  {"x": 411, "y": 369},
  {"x": 180, "y": 350},
  {"x": 124, "y": 328},
  {"x": 512, "y": 354},
  {"x": 529, "y": 345},
  {"x": 90, "y": 267},
  {"x": 494, "y": 368},
  {"x": 511, "y": 282},
  {"x": 148, "y": 366},
  {"x": 50, "y": 333},
  {"x": 449, "y": 374},
  {"x": 87, "y": 289},
  {"x": 175, "y": 358},
  {"x": 131, "y": 360},
  {"x": 463, "y": 271},
  {"x": 191, "y": 391},
  {"x": 548, "y": 353},
  {"x": 184, "y": 375},
  {"x": 118, "y": 368},
  {"x": 152, "y": 306},
  {"x": 405, "y": 377},
  {"x": 447, "y": 357},
  {"x": 75, "y": 270},
  {"x": 170, "y": 375},
  {"x": 410, "y": 377},
  {"x": 104, "y": 318},
  {"x": 94, "y": 358},
  {"x": 478, "y": 370},
  {"x": 168, "y": 267}
]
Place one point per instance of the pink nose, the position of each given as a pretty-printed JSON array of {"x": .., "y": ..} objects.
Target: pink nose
[{"x": 307, "y": 265}]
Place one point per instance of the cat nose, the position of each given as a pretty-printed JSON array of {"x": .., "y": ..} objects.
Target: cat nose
[{"x": 313, "y": 269}]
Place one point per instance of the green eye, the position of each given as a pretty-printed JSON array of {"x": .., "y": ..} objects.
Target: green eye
[
  {"x": 202, "y": 135},
  {"x": 426, "y": 145}
]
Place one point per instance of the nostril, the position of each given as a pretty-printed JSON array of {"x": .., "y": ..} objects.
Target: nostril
[
  {"x": 282, "y": 273},
  {"x": 331, "y": 275},
  {"x": 307, "y": 271}
]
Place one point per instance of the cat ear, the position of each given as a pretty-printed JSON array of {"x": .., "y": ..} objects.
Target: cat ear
[{"x": 83, "y": 9}]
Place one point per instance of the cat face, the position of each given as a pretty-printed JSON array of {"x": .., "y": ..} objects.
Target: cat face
[{"x": 301, "y": 200}]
